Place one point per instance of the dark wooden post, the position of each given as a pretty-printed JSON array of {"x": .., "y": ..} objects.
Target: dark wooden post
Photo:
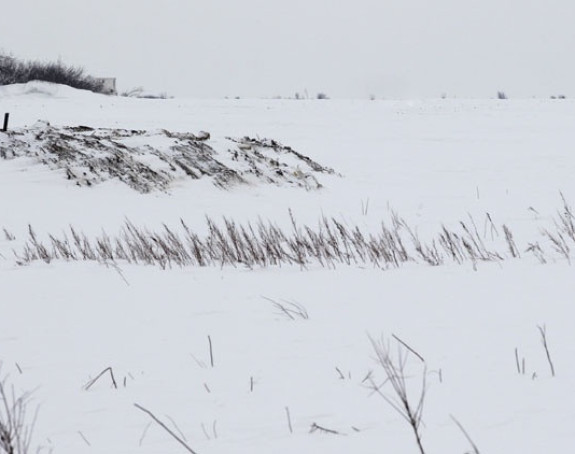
[{"x": 6, "y": 118}]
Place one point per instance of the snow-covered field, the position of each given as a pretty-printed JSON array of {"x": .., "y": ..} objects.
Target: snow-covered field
[{"x": 208, "y": 351}]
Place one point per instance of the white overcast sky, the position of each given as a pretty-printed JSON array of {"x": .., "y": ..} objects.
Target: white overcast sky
[{"x": 257, "y": 48}]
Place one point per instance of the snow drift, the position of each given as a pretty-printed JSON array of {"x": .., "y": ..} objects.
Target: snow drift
[{"x": 151, "y": 160}]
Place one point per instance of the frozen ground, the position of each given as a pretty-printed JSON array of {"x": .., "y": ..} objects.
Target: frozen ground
[{"x": 434, "y": 162}]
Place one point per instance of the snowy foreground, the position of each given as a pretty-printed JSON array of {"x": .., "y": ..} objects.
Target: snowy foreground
[{"x": 282, "y": 359}]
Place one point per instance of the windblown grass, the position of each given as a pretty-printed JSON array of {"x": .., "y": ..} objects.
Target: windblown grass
[{"x": 329, "y": 244}]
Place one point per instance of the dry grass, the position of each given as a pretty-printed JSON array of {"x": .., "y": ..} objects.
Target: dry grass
[
  {"x": 16, "y": 424},
  {"x": 400, "y": 396},
  {"x": 261, "y": 244},
  {"x": 329, "y": 244}
]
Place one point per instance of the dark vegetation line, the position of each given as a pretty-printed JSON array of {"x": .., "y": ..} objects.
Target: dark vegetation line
[
  {"x": 330, "y": 243},
  {"x": 16, "y": 71}
]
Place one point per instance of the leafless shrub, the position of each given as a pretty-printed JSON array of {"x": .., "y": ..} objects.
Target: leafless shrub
[
  {"x": 14, "y": 71},
  {"x": 398, "y": 397}
]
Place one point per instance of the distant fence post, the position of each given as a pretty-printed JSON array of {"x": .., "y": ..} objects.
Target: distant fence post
[{"x": 6, "y": 118}]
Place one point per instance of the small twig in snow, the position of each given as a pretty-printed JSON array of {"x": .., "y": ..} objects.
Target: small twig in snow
[
  {"x": 145, "y": 432},
  {"x": 177, "y": 428},
  {"x": 543, "y": 332},
  {"x": 84, "y": 438},
  {"x": 289, "y": 420},
  {"x": 473, "y": 445},
  {"x": 91, "y": 382},
  {"x": 198, "y": 362},
  {"x": 166, "y": 428},
  {"x": 115, "y": 266},
  {"x": 211, "y": 351},
  {"x": 315, "y": 427},
  {"x": 289, "y": 309},
  {"x": 205, "y": 432}
]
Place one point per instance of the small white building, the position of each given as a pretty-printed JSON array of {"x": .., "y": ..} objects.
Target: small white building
[{"x": 108, "y": 85}]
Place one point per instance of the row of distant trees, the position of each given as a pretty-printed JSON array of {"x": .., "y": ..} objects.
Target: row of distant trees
[
  {"x": 305, "y": 95},
  {"x": 502, "y": 95},
  {"x": 321, "y": 95},
  {"x": 16, "y": 71}
]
